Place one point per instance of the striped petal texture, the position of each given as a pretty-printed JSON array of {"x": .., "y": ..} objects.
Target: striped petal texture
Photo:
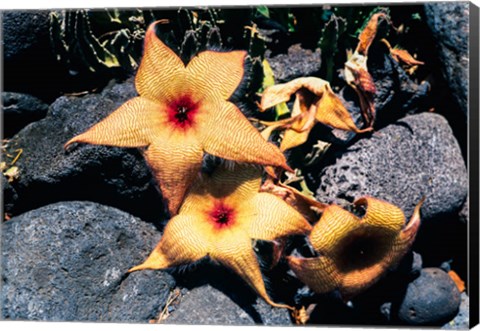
[{"x": 353, "y": 252}]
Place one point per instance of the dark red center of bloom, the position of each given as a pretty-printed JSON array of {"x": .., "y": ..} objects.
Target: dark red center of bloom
[
  {"x": 222, "y": 216},
  {"x": 181, "y": 112}
]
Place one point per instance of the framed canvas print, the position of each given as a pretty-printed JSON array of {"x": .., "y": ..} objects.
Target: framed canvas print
[{"x": 276, "y": 165}]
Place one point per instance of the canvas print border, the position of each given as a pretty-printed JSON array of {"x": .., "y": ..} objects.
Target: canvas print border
[{"x": 269, "y": 165}]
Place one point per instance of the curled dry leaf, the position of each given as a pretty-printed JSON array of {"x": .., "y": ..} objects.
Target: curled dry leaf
[
  {"x": 353, "y": 252},
  {"x": 357, "y": 76},
  {"x": 314, "y": 102},
  {"x": 401, "y": 55},
  {"x": 219, "y": 218},
  {"x": 305, "y": 205},
  {"x": 356, "y": 71},
  {"x": 368, "y": 34},
  {"x": 182, "y": 112}
]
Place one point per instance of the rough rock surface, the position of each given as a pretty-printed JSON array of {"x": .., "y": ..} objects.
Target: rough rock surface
[
  {"x": 298, "y": 62},
  {"x": 216, "y": 295},
  {"x": 68, "y": 262},
  {"x": 19, "y": 110},
  {"x": 461, "y": 321},
  {"x": 208, "y": 305},
  {"x": 431, "y": 299},
  {"x": 109, "y": 175},
  {"x": 23, "y": 31},
  {"x": 396, "y": 94},
  {"x": 414, "y": 157},
  {"x": 449, "y": 22},
  {"x": 28, "y": 55}
]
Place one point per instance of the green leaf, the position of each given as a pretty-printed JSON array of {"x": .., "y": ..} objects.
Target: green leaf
[
  {"x": 269, "y": 80},
  {"x": 268, "y": 75},
  {"x": 264, "y": 11}
]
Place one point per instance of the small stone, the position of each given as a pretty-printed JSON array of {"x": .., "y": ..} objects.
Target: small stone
[
  {"x": 298, "y": 62},
  {"x": 68, "y": 261},
  {"x": 213, "y": 294},
  {"x": 414, "y": 157},
  {"x": 208, "y": 305},
  {"x": 431, "y": 299}
]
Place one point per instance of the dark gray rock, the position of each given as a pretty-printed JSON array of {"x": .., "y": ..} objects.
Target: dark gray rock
[
  {"x": 449, "y": 23},
  {"x": 431, "y": 299},
  {"x": 208, "y": 305},
  {"x": 396, "y": 94},
  {"x": 414, "y": 157},
  {"x": 68, "y": 262},
  {"x": 30, "y": 65},
  {"x": 461, "y": 321},
  {"x": 113, "y": 176},
  {"x": 19, "y": 110},
  {"x": 464, "y": 214},
  {"x": 23, "y": 31},
  {"x": 9, "y": 194},
  {"x": 298, "y": 62}
]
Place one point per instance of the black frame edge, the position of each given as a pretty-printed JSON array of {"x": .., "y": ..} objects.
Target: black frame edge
[{"x": 473, "y": 165}]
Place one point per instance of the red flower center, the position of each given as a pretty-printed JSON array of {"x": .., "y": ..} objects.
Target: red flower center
[
  {"x": 222, "y": 215},
  {"x": 181, "y": 112}
]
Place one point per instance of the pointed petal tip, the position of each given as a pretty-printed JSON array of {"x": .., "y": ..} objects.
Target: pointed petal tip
[
  {"x": 155, "y": 261},
  {"x": 137, "y": 268},
  {"x": 276, "y": 305},
  {"x": 413, "y": 225},
  {"x": 74, "y": 140}
]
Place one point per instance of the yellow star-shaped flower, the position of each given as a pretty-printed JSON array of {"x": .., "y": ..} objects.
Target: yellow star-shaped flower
[
  {"x": 355, "y": 252},
  {"x": 182, "y": 112},
  {"x": 219, "y": 218}
]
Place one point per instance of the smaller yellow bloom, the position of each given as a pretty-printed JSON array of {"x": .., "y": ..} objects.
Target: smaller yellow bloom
[
  {"x": 355, "y": 252},
  {"x": 219, "y": 218},
  {"x": 314, "y": 102}
]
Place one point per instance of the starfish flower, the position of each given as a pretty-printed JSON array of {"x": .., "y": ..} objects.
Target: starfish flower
[
  {"x": 353, "y": 252},
  {"x": 314, "y": 102},
  {"x": 181, "y": 112},
  {"x": 219, "y": 218}
]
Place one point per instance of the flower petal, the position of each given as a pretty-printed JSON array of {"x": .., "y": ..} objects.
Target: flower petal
[
  {"x": 175, "y": 162},
  {"x": 227, "y": 133},
  {"x": 382, "y": 214},
  {"x": 234, "y": 250},
  {"x": 216, "y": 74},
  {"x": 276, "y": 94},
  {"x": 301, "y": 127},
  {"x": 184, "y": 240},
  {"x": 335, "y": 224},
  {"x": 357, "y": 280},
  {"x": 276, "y": 221},
  {"x": 131, "y": 125},
  {"x": 318, "y": 273},
  {"x": 162, "y": 73},
  {"x": 229, "y": 184},
  {"x": 331, "y": 111}
]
